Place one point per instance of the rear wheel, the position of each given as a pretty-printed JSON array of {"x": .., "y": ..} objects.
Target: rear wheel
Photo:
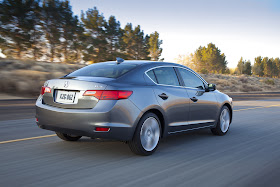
[
  {"x": 68, "y": 137},
  {"x": 147, "y": 135},
  {"x": 223, "y": 124}
]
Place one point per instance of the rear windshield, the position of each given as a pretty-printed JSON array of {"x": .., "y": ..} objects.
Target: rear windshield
[{"x": 109, "y": 70}]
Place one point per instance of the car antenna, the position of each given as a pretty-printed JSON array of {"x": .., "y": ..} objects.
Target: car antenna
[{"x": 119, "y": 60}]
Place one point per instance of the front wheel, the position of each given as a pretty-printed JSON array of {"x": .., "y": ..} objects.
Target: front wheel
[
  {"x": 147, "y": 135},
  {"x": 67, "y": 137},
  {"x": 222, "y": 126}
]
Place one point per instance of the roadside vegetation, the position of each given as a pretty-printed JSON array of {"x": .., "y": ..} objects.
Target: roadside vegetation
[
  {"x": 210, "y": 59},
  {"x": 47, "y": 30},
  {"x": 211, "y": 63},
  {"x": 25, "y": 78},
  {"x": 42, "y": 39},
  {"x": 243, "y": 83}
]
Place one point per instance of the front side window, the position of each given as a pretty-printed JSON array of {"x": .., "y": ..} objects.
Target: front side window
[
  {"x": 190, "y": 79},
  {"x": 166, "y": 76}
]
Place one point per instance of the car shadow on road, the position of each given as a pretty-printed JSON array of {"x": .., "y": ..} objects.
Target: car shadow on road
[{"x": 104, "y": 147}]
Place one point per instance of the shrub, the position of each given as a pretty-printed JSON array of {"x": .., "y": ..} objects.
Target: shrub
[
  {"x": 249, "y": 88},
  {"x": 204, "y": 71},
  {"x": 269, "y": 81},
  {"x": 243, "y": 79},
  {"x": 38, "y": 68}
]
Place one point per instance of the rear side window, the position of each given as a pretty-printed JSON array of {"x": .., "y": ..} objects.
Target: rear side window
[
  {"x": 109, "y": 70},
  {"x": 151, "y": 74},
  {"x": 165, "y": 75}
]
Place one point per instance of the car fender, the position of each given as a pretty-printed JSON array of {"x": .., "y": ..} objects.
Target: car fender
[{"x": 224, "y": 99}]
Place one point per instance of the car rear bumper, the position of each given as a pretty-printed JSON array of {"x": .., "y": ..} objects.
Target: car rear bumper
[{"x": 120, "y": 116}]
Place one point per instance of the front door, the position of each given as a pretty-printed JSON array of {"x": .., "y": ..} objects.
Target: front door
[{"x": 203, "y": 105}]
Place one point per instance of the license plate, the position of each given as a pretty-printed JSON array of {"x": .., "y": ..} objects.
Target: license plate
[{"x": 66, "y": 97}]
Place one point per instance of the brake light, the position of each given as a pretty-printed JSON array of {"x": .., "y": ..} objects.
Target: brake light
[
  {"x": 108, "y": 94},
  {"x": 45, "y": 89}
]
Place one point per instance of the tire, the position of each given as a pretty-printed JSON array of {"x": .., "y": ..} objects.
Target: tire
[
  {"x": 223, "y": 123},
  {"x": 147, "y": 135},
  {"x": 68, "y": 137}
]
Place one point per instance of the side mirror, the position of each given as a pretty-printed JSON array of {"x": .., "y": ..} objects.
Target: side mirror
[{"x": 211, "y": 87}]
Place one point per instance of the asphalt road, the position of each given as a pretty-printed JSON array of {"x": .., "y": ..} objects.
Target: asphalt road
[{"x": 249, "y": 155}]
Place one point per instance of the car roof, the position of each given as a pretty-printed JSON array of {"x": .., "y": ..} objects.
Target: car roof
[{"x": 148, "y": 62}]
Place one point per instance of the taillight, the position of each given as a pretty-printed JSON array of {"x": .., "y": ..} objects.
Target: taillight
[
  {"x": 45, "y": 89},
  {"x": 108, "y": 94},
  {"x": 95, "y": 93}
]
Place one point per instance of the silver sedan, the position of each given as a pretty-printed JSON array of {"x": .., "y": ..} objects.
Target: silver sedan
[{"x": 138, "y": 102}]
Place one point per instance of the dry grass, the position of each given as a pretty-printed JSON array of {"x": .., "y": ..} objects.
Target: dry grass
[
  {"x": 25, "y": 78},
  {"x": 242, "y": 83}
]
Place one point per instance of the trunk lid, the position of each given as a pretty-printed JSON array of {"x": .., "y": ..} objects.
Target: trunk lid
[{"x": 68, "y": 92}]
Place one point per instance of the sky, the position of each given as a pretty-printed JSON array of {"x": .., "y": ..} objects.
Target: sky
[{"x": 239, "y": 28}]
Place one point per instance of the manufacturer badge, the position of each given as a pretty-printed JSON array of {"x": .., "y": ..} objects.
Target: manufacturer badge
[{"x": 66, "y": 84}]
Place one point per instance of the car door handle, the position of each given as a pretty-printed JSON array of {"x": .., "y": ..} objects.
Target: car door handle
[
  {"x": 163, "y": 96},
  {"x": 194, "y": 99}
]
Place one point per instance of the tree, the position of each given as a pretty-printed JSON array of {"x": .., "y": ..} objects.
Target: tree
[
  {"x": 247, "y": 68},
  {"x": 210, "y": 58},
  {"x": 139, "y": 51},
  {"x": 135, "y": 44},
  {"x": 277, "y": 64},
  {"x": 52, "y": 26},
  {"x": 47, "y": 29},
  {"x": 72, "y": 33},
  {"x": 16, "y": 18},
  {"x": 78, "y": 41},
  {"x": 37, "y": 42},
  {"x": 258, "y": 67},
  {"x": 147, "y": 47},
  {"x": 267, "y": 64},
  {"x": 113, "y": 35},
  {"x": 95, "y": 24},
  {"x": 3, "y": 45},
  {"x": 68, "y": 24},
  {"x": 128, "y": 40},
  {"x": 240, "y": 66},
  {"x": 187, "y": 60},
  {"x": 154, "y": 46},
  {"x": 244, "y": 67}
]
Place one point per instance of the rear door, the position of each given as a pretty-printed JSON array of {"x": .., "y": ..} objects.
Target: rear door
[
  {"x": 171, "y": 96},
  {"x": 203, "y": 105}
]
